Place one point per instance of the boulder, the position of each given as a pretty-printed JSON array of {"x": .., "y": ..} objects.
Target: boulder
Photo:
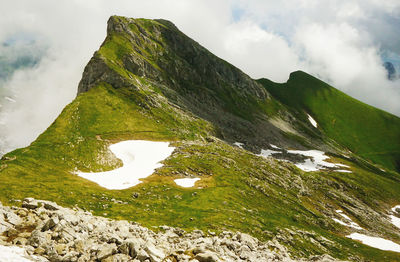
[
  {"x": 30, "y": 203},
  {"x": 155, "y": 254},
  {"x": 207, "y": 257},
  {"x": 106, "y": 250},
  {"x": 50, "y": 223}
]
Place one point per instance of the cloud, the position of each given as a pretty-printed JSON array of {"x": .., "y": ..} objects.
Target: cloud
[
  {"x": 338, "y": 54},
  {"x": 339, "y": 41}
]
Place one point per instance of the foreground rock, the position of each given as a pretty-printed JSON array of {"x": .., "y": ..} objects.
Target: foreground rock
[{"x": 47, "y": 231}]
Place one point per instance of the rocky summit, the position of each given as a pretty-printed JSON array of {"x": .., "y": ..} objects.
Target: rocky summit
[{"x": 169, "y": 153}]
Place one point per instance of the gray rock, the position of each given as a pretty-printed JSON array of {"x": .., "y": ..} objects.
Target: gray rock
[
  {"x": 30, "y": 203},
  {"x": 155, "y": 254},
  {"x": 50, "y": 223},
  {"x": 62, "y": 234},
  {"x": 117, "y": 258},
  {"x": 130, "y": 247},
  {"x": 106, "y": 250},
  {"x": 206, "y": 257},
  {"x": 142, "y": 255}
]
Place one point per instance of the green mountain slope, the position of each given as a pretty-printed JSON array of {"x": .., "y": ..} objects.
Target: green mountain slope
[
  {"x": 366, "y": 131},
  {"x": 149, "y": 81}
]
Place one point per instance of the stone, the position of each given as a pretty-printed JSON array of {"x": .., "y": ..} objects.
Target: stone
[
  {"x": 63, "y": 235},
  {"x": 155, "y": 254},
  {"x": 117, "y": 258},
  {"x": 30, "y": 203},
  {"x": 50, "y": 205},
  {"x": 10, "y": 217},
  {"x": 72, "y": 256},
  {"x": 247, "y": 240},
  {"x": 130, "y": 247},
  {"x": 207, "y": 257},
  {"x": 106, "y": 250},
  {"x": 142, "y": 255},
  {"x": 60, "y": 249},
  {"x": 50, "y": 223}
]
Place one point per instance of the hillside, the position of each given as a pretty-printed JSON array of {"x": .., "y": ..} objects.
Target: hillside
[
  {"x": 364, "y": 130},
  {"x": 149, "y": 81}
]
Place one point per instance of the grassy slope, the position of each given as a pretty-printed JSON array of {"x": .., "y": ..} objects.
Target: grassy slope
[
  {"x": 255, "y": 195},
  {"x": 241, "y": 191},
  {"x": 367, "y": 131}
]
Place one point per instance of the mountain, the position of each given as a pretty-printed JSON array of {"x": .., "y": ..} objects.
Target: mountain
[
  {"x": 359, "y": 128},
  {"x": 248, "y": 141},
  {"x": 391, "y": 70}
]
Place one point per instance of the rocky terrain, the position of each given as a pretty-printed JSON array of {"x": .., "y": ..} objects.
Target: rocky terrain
[{"x": 48, "y": 231}]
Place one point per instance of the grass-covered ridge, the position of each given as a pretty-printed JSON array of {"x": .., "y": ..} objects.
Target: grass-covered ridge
[
  {"x": 130, "y": 90},
  {"x": 366, "y": 131}
]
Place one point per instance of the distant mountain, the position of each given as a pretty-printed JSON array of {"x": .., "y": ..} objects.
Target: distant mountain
[
  {"x": 298, "y": 163},
  {"x": 364, "y": 130},
  {"x": 391, "y": 70}
]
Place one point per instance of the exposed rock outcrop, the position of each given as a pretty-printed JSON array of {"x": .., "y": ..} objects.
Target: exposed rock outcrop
[{"x": 50, "y": 232}]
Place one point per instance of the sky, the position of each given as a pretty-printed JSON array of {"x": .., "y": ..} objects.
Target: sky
[{"x": 342, "y": 42}]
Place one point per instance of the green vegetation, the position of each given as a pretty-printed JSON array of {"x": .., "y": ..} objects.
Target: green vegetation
[
  {"x": 366, "y": 131},
  {"x": 238, "y": 190}
]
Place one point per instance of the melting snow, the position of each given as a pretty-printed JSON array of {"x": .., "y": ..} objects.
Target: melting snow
[
  {"x": 349, "y": 222},
  {"x": 316, "y": 162},
  {"x": 343, "y": 171},
  {"x": 340, "y": 222},
  {"x": 312, "y": 121},
  {"x": 267, "y": 152},
  {"x": 274, "y": 146},
  {"x": 376, "y": 242},
  {"x": 139, "y": 158},
  {"x": 395, "y": 220},
  {"x": 13, "y": 254},
  {"x": 238, "y": 144},
  {"x": 186, "y": 182}
]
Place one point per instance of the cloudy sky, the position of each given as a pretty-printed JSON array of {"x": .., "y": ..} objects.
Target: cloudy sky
[{"x": 45, "y": 44}]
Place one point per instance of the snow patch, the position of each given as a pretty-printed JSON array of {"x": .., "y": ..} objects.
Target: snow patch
[
  {"x": 238, "y": 144},
  {"x": 376, "y": 242},
  {"x": 349, "y": 222},
  {"x": 139, "y": 158},
  {"x": 268, "y": 152},
  {"x": 343, "y": 171},
  {"x": 186, "y": 182},
  {"x": 13, "y": 254},
  {"x": 395, "y": 220},
  {"x": 274, "y": 146},
  {"x": 316, "y": 162},
  {"x": 339, "y": 221},
  {"x": 312, "y": 121}
]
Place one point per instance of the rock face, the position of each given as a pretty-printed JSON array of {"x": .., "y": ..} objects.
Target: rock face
[
  {"x": 189, "y": 76},
  {"x": 49, "y": 232}
]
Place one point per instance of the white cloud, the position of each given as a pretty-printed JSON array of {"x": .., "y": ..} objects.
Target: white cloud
[{"x": 338, "y": 40}]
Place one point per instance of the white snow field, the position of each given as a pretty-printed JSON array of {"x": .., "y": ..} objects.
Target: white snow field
[
  {"x": 186, "y": 182},
  {"x": 395, "y": 220},
  {"x": 139, "y": 158},
  {"x": 376, "y": 242},
  {"x": 312, "y": 121},
  {"x": 13, "y": 254},
  {"x": 316, "y": 162}
]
